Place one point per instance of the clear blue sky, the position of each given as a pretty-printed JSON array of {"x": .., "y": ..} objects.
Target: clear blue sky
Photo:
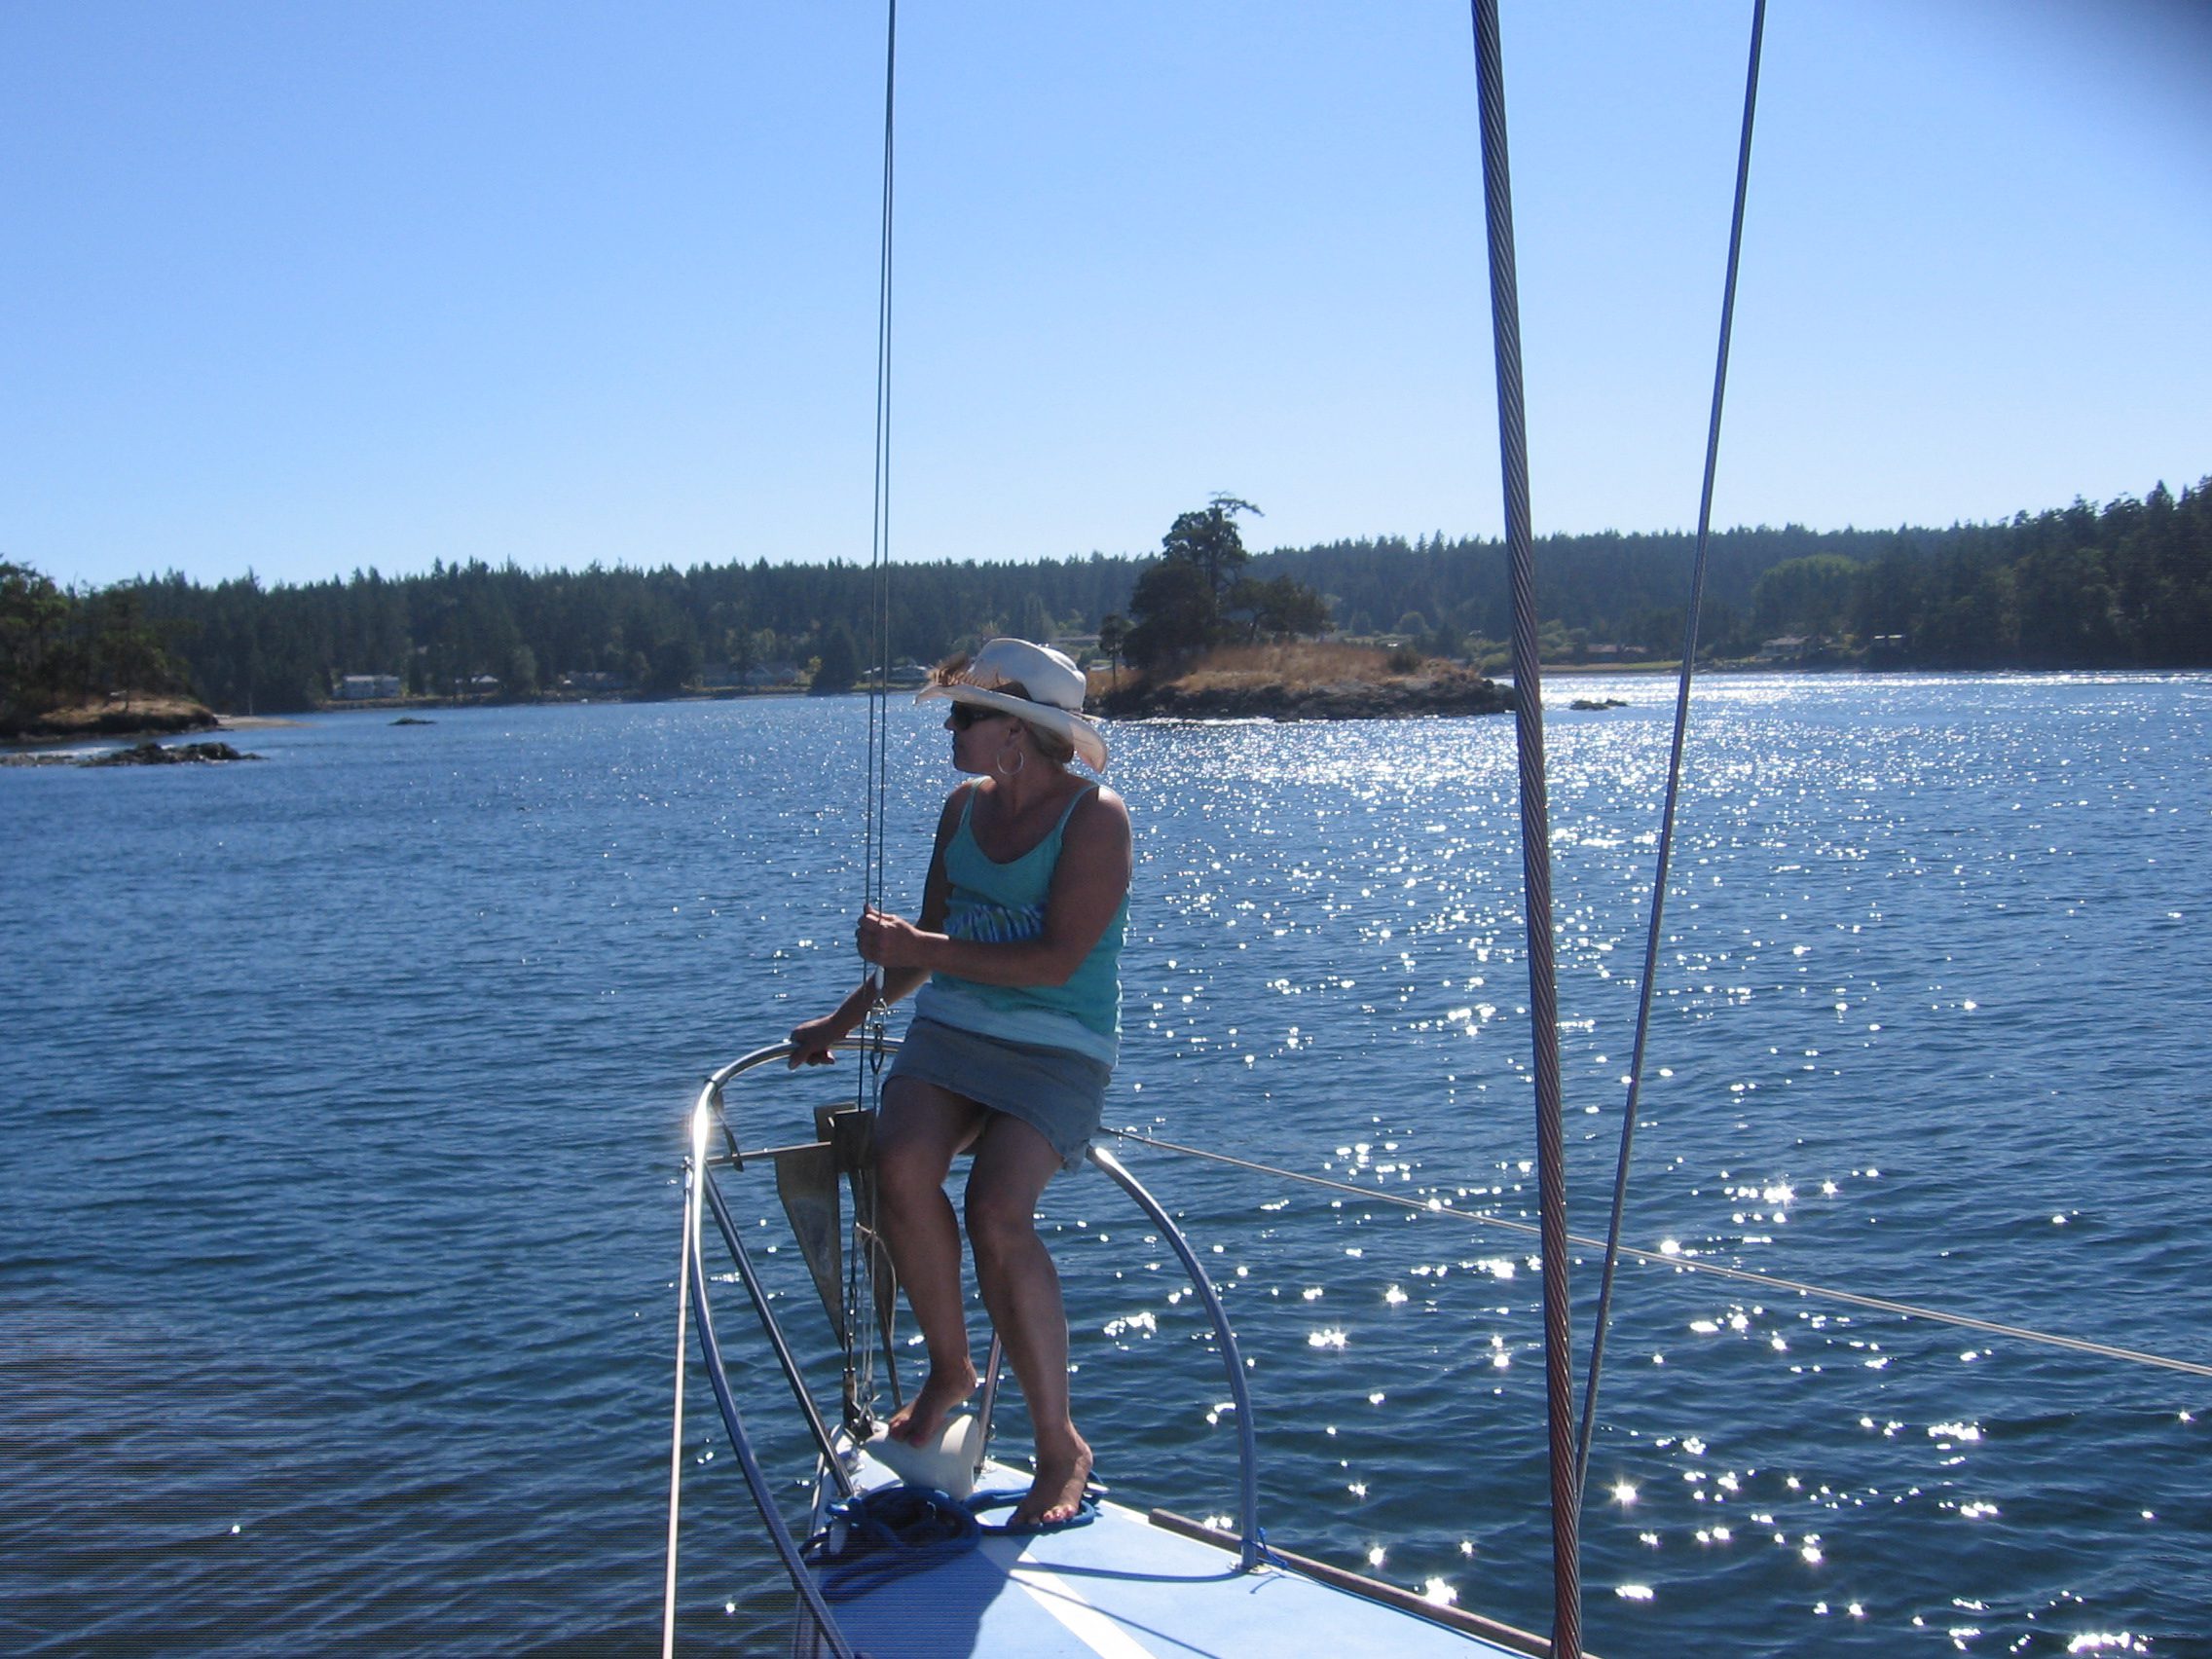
[{"x": 306, "y": 287}]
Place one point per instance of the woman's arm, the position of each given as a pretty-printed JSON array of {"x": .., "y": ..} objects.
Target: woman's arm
[
  {"x": 814, "y": 1038},
  {"x": 1088, "y": 884}
]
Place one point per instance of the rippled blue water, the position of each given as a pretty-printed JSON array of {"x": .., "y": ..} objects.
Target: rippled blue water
[{"x": 342, "y": 1098}]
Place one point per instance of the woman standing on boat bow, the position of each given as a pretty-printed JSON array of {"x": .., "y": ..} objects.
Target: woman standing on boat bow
[{"x": 1016, "y": 958}]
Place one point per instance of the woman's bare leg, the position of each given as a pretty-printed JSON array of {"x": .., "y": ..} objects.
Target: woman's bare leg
[
  {"x": 1022, "y": 1290},
  {"x": 920, "y": 1131}
]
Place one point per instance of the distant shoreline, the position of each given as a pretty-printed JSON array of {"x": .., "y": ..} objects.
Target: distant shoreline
[
  {"x": 170, "y": 716},
  {"x": 549, "y": 699}
]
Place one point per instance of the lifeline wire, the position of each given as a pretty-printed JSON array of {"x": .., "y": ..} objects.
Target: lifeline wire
[
  {"x": 1689, "y": 1264},
  {"x": 1535, "y": 834},
  {"x": 1674, "y": 769}
]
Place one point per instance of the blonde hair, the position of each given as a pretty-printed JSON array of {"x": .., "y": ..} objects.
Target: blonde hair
[{"x": 1050, "y": 744}]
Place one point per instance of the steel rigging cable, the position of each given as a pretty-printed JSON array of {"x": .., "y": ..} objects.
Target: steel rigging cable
[{"x": 1673, "y": 768}]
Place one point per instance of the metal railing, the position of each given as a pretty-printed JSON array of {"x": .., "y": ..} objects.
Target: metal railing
[{"x": 701, "y": 1196}]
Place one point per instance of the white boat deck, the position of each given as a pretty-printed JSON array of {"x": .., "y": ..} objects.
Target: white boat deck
[{"x": 1126, "y": 1587}]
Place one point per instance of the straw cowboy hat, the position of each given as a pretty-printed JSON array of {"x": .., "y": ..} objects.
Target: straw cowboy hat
[{"x": 1054, "y": 686}]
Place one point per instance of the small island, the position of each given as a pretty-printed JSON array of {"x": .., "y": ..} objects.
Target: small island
[
  {"x": 1209, "y": 641},
  {"x": 76, "y": 667},
  {"x": 1303, "y": 682},
  {"x": 137, "y": 714}
]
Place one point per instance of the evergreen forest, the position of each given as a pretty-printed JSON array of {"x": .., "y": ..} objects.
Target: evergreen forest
[{"x": 2126, "y": 585}]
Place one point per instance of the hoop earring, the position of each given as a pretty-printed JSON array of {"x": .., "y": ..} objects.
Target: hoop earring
[{"x": 1020, "y": 759}]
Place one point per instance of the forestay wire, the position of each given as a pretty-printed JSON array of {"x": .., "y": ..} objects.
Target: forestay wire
[
  {"x": 860, "y": 1262},
  {"x": 1673, "y": 768},
  {"x": 875, "y": 787}
]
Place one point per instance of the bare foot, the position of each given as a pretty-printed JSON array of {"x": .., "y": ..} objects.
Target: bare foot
[
  {"x": 1057, "y": 1494},
  {"x": 920, "y": 1420}
]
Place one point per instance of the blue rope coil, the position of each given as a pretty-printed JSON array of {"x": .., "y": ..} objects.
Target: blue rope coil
[
  {"x": 874, "y": 1537},
  {"x": 1006, "y": 1497}
]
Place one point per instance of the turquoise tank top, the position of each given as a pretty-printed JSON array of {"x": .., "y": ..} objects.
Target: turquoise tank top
[{"x": 1005, "y": 902}]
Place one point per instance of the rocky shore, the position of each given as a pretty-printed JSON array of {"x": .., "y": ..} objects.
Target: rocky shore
[
  {"x": 146, "y": 753},
  {"x": 152, "y": 754}
]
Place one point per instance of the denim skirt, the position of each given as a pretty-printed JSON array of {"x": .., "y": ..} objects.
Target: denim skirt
[{"x": 1056, "y": 1091}]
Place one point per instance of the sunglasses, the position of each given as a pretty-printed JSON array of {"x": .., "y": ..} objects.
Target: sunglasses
[{"x": 966, "y": 714}]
